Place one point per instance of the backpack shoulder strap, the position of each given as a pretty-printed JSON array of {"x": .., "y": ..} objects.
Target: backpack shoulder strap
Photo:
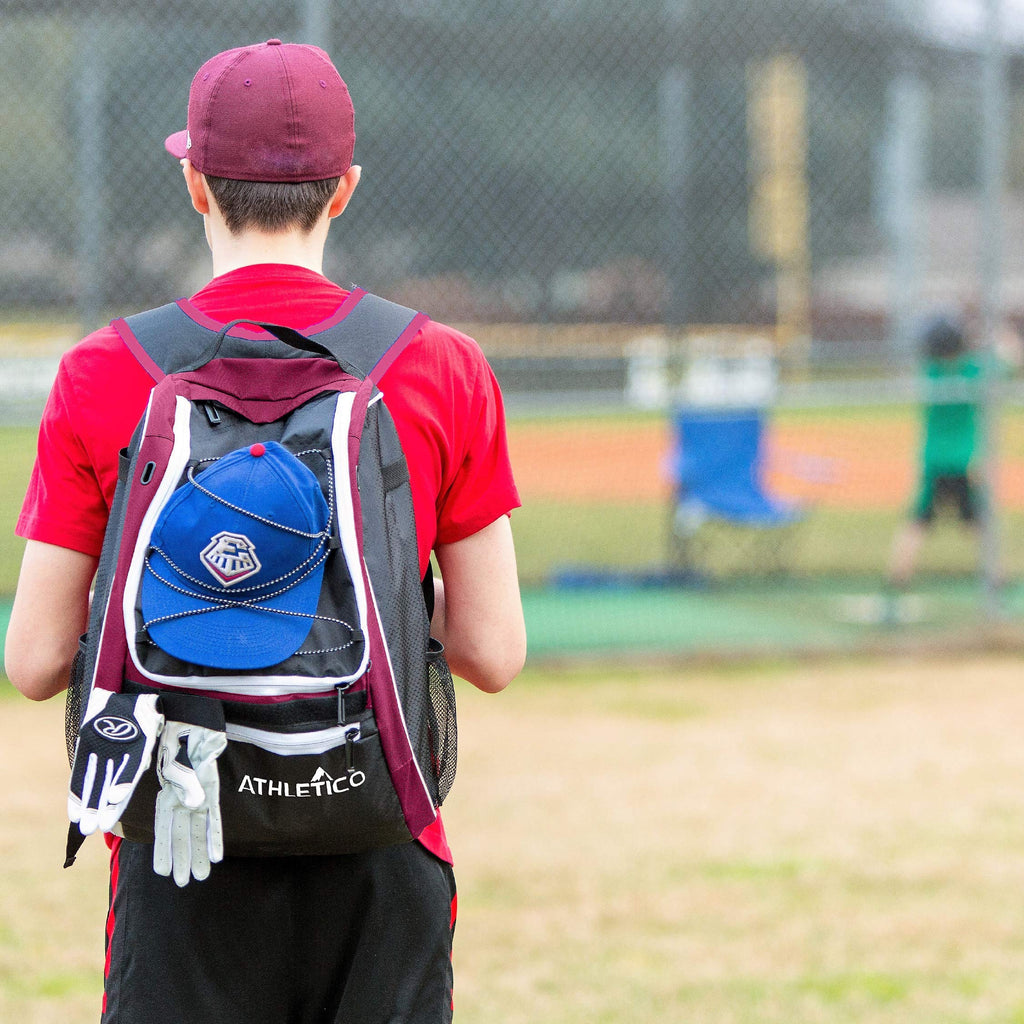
[
  {"x": 373, "y": 334},
  {"x": 370, "y": 336},
  {"x": 162, "y": 338}
]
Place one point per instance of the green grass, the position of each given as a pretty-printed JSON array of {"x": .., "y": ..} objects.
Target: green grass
[
  {"x": 17, "y": 453},
  {"x": 553, "y": 535}
]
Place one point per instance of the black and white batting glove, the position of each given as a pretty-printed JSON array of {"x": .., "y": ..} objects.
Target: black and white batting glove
[
  {"x": 188, "y": 836},
  {"x": 113, "y": 750}
]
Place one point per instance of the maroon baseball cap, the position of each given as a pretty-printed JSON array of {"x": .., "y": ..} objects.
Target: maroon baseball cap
[{"x": 270, "y": 112}]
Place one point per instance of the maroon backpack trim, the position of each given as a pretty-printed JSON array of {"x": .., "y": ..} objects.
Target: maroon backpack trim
[
  {"x": 145, "y": 360},
  {"x": 401, "y": 343},
  {"x": 197, "y": 316}
]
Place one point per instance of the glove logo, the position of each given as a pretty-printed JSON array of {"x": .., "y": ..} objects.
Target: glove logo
[
  {"x": 230, "y": 558},
  {"x": 112, "y": 727}
]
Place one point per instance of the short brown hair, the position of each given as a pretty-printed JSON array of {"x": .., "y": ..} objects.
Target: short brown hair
[{"x": 271, "y": 206}]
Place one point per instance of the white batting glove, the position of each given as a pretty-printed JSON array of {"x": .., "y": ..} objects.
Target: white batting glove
[
  {"x": 187, "y": 829},
  {"x": 113, "y": 750}
]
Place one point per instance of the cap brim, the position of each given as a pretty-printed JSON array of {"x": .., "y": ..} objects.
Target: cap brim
[{"x": 177, "y": 144}]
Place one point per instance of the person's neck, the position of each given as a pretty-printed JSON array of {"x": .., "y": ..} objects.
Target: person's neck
[{"x": 296, "y": 248}]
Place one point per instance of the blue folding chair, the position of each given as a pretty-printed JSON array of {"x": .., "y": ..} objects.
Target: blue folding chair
[{"x": 717, "y": 472}]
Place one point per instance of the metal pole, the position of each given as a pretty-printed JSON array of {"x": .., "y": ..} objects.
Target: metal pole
[
  {"x": 675, "y": 130},
  {"x": 674, "y": 121},
  {"x": 90, "y": 241},
  {"x": 904, "y": 175},
  {"x": 315, "y": 22},
  {"x": 993, "y": 171}
]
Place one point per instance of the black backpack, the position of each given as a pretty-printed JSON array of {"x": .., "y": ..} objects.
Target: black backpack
[{"x": 341, "y": 731}]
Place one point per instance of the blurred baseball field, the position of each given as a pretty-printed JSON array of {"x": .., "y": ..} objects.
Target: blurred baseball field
[{"x": 600, "y": 575}]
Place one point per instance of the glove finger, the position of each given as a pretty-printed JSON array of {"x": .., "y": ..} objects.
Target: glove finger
[
  {"x": 87, "y": 822},
  {"x": 76, "y": 787},
  {"x": 181, "y": 845},
  {"x": 200, "y": 847},
  {"x": 162, "y": 826},
  {"x": 115, "y": 795},
  {"x": 214, "y": 833},
  {"x": 74, "y": 809},
  {"x": 115, "y": 773}
]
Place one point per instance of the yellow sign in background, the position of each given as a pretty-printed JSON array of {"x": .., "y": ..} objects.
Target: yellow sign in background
[{"x": 777, "y": 130}]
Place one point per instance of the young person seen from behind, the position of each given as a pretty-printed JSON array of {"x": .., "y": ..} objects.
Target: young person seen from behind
[{"x": 361, "y": 938}]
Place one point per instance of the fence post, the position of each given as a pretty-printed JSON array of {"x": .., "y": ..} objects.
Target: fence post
[
  {"x": 675, "y": 137},
  {"x": 315, "y": 22},
  {"x": 90, "y": 241},
  {"x": 903, "y": 175},
  {"x": 993, "y": 169}
]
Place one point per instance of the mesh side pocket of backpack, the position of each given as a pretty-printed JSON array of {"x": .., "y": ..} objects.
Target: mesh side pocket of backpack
[
  {"x": 74, "y": 703},
  {"x": 444, "y": 733}
]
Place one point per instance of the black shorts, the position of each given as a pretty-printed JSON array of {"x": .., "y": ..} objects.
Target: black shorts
[
  {"x": 357, "y": 939},
  {"x": 955, "y": 490}
]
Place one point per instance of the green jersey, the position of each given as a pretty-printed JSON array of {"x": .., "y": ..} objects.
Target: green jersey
[{"x": 950, "y": 426}]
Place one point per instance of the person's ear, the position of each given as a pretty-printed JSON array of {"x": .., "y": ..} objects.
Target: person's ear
[
  {"x": 346, "y": 187},
  {"x": 196, "y": 185}
]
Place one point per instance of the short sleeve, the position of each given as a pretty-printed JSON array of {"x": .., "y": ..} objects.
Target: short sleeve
[
  {"x": 97, "y": 398},
  {"x": 448, "y": 410},
  {"x": 480, "y": 486},
  {"x": 64, "y": 504}
]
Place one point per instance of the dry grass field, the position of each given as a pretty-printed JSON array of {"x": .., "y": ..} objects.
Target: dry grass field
[{"x": 793, "y": 843}]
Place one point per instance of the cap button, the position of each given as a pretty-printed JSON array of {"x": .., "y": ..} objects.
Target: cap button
[
  {"x": 273, "y": 42},
  {"x": 257, "y": 450}
]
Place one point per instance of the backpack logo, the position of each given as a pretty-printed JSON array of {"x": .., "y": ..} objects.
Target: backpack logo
[
  {"x": 230, "y": 558},
  {"x": 321, "y": 784}
]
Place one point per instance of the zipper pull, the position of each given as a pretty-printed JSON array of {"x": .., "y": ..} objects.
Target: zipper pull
[{"x": 351, "y": 735}]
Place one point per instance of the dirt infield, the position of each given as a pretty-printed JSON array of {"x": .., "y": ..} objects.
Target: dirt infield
[
  {"x": 772, "y": 844},
  {"x": 853, "y": 464}
]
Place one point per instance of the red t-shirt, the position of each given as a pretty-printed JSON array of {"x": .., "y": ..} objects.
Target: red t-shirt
[{"x": 443, "y": 397}]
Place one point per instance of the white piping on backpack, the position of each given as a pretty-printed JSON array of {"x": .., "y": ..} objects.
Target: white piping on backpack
[
  {"x": 172, "y": 474},
  {"x": 346, "y": 516},
  {"x": 109, "y": 619},
  {"x": 250, "y": 685},
  {"x": 287, "y": 744}
]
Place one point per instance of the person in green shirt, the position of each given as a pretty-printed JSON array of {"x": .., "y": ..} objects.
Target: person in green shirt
[{"x": 949, "y": 437}]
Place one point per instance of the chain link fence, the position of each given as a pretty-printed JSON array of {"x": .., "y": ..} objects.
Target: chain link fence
[{"x": 613, "y": 198}]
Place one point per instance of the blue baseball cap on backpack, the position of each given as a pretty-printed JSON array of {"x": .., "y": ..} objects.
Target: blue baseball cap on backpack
[{"x": 236, "y": 561}]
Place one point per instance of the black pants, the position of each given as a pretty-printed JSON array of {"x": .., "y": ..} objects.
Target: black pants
[{"x": 358, "y": 939}]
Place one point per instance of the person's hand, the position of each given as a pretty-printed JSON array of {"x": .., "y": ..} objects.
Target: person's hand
[{"x": 113, "y": 749}]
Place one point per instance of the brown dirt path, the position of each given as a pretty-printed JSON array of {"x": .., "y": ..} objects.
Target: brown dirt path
[{"x": 834, "y": 463}]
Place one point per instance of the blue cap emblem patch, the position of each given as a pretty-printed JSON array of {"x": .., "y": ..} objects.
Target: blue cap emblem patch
[{"x": 230, "y": 558}]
